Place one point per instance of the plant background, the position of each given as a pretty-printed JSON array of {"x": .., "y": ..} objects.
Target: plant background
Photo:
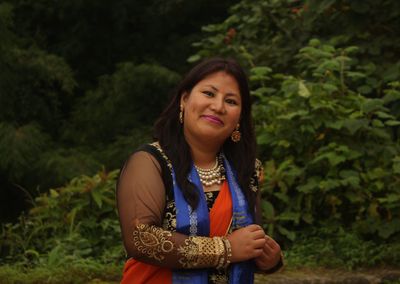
[{"x": 81, "y": 83}]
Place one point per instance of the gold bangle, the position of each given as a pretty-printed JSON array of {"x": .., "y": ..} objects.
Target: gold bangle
[
  {"x": 221, "y": 253},
  {"x": 218, "y": 250},
  {"x": 228, "y": 249}
]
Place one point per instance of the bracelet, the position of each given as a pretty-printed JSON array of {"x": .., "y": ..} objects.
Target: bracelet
[
  {"x": 228, "y": 249},
  {"x": 220, "y": 253}
]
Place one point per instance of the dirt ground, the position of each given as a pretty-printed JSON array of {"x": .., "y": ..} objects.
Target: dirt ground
[{"x": 322, "y": 276}]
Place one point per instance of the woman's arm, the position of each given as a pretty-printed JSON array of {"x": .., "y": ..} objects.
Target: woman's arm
[{"x": 141, "y": 200}]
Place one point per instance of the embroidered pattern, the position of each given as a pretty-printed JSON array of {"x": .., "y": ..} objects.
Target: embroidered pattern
[
  {"x": 219, "y": 278},
  {"x": 152, "y": 241},
  {"x": 258, "y": 172},
  {"x": 200, "y": 252},
  {"x": 193, "y": 221},
  {"x": 169, "y": 222},
  {"x": 158, "y": 147}
]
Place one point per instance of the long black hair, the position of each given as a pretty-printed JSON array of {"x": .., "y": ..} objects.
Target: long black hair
[{"x": 169, "y": 131}]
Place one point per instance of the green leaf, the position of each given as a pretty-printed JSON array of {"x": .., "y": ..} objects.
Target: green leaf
[
  {"x": 260, "y": 70},
  {"x": 311, "y": 185},
  {"x": 390, "y": 228},
  {"x": 329, "y": 184},
  {"x": 289, "y": 234},
  {"x": 308, "y": 218},
  {"x": 384, "y": 115},
  {"x": 391, "y": 96},
  {"x": 355, "y": 75},
  {"x": 372, "y": 104},
  {"x": 354, "y": 197},
  {"x": 284, "y": 143},
  {"x": 289, "y": 216},
  {"x": 353, "y": 125},
  {"x": 333, "y": 158},
  {"x": 377, "y": 173},
  {"x": 97, "y": 197},
  {"x": 194, "y": 58},
  {"x": 336, "y": 124},
  {"x": 282, "y": 196},
  {"x": 268, "y": 209},
  {"x": 365, "y": 89},
  {"x": 377, "y": 123},
  {"x": 392, "y": 122},
  {"x": 314, "y": 42},
  {"x": 390, "y": 198},
  {"x": 330, "y": 88},
  {"x": 303, "y": 91}
]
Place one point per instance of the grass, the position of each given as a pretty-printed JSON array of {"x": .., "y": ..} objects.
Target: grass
[{"x": 83, "y": 272}]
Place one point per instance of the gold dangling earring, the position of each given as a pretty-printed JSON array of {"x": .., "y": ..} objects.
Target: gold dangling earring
[
  {"x": 181, "y": 114},
  {"x": 236, "y": 135}
]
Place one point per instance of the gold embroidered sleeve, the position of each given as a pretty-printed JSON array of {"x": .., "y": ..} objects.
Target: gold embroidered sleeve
[
  {"x": 141, "y": 199},
  {"x": 156, "y": 246}
]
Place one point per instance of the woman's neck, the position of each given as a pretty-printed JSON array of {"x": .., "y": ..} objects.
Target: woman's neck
[{"x": 203, "y": 154}]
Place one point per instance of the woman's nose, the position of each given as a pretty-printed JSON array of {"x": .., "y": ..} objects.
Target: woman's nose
[{"x": 218, "y": 105}]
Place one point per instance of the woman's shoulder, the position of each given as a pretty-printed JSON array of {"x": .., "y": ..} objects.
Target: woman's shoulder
[
  {"x": 145, "y": 161},
  {"x": 148, "y": 153}
]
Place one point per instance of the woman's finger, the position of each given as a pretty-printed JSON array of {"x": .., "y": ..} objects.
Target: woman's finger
[
  {"x": 258, "y": 235},
  {"x": 254, "y": 227}
]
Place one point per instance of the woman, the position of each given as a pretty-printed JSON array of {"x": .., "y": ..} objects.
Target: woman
[{"x": 188, "y": 202}]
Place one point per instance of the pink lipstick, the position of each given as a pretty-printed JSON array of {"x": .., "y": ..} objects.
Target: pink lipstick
[{"x": 213, "y": 119}]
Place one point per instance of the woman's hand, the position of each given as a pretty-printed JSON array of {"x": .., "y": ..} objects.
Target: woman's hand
[
  {"x": 270, "y": 255},
  {"x": 247, "y": 243}
]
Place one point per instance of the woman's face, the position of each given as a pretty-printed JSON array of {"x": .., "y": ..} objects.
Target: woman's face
[{"x": 212, "y": 109}]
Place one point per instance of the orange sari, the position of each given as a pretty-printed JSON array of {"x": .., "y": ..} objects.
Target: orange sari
[{"x": 136, "y": 272}]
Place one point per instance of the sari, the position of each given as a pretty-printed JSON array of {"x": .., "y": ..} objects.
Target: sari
[{"x": 229, "y": 211}]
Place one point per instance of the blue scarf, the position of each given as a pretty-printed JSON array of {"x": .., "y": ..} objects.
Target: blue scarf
[{"x": 197, "y": 223}]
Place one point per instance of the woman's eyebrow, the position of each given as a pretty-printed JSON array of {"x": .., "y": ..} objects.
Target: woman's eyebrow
[
  {"x": 213, "y": 87},
  {"x": 216, "y": 89}
]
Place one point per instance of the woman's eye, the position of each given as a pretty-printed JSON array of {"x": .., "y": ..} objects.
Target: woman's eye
[
  {"x": 208, "y": 93},
  {"x": 231, "y": 101}
]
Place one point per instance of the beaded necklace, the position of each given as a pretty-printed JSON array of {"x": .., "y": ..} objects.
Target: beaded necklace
[{"x": 215, "y": 175}]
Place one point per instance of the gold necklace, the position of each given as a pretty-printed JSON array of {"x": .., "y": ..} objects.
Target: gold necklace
[{"x": 215, "y": 175}]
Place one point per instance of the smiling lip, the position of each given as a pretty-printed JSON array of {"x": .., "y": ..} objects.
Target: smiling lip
[{"x": 213, "y": 119}]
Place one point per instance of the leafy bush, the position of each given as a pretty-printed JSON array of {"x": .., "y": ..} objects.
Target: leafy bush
[
  {"x": 121, "y": 102},
  {"x": 325, "y": 78},
  {"x": 331, "y": 152},
  {"x": 67, "y": 225},
  {"x": 331, "y": 246}
]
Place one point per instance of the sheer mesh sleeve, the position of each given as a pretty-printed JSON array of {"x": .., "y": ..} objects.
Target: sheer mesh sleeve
[{"x": 141, "y": 200}]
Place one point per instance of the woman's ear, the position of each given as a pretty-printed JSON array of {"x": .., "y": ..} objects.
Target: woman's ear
[{"x": 184, "y": 98}]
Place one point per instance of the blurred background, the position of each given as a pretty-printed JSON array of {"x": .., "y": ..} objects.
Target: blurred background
[{"x": 82, "y": 82}]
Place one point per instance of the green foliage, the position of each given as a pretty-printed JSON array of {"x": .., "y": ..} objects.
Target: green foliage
[
  {"x": 78, "y": 271},
  {"x": 20, "y": 147},
  {"x": 331, "y": 152},
  {"x": 325, "y": 78},
  {"x": 338, "y": 248},
  {"x": 67, "y": 224},
  {"x": 59, "y": 86},
  {"x": 95, "y": 36},
  {"x": 122, "y": 102},
  {"x": 270, "y": 33}
]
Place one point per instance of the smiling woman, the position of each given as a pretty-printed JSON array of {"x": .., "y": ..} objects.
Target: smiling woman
[
  {"x": 188, "y": 203},
  {"x": 211, "y": 111}
]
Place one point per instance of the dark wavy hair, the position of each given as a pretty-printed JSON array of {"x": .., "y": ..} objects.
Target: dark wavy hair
[{"x": 169, "y": 131}]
